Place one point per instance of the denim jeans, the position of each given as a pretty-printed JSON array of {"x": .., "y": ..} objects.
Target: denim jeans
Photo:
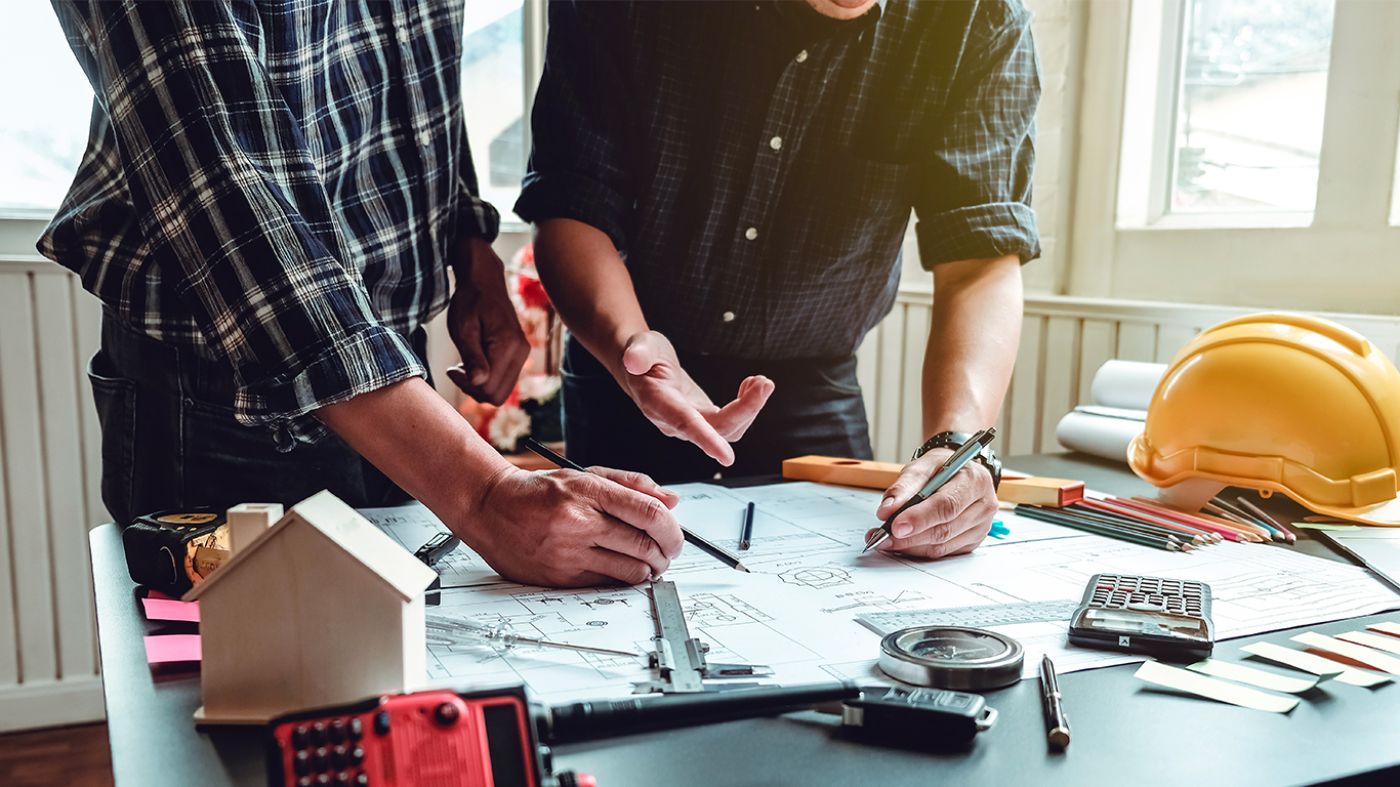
[
  {"x": 816, "y": 408},
  {"x": 169, "y": 438}
]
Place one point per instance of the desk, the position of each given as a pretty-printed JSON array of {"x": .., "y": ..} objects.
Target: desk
[{"x": 1122, "y": 732}]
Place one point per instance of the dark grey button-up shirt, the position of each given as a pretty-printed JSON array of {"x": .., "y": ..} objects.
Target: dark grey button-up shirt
[{"x": 757, "y": 164}]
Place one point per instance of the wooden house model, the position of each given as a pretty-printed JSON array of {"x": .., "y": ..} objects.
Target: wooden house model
[{"x": 320, "y": 608}]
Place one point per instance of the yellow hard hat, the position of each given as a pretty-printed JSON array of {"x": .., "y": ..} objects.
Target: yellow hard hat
[{"x": 1281, "y": 403}]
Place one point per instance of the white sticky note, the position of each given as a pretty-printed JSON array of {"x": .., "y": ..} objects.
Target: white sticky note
[
  {"x": 1255, "y": 677},
  {"x": 1377, "y": 641},
  {"x": 1386, "y": 627},
  {"x": 1317, "y": 665},
  {"x": 1177, "y": 679},
  {"x": 1368, "y": 656}
]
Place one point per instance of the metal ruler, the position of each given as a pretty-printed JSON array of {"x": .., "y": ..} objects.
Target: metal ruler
[
  {"x": 679, "y": 659},
  {"x": 983, "y": 616}
]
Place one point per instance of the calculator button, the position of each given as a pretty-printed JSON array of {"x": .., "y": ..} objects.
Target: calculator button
[
  {"x": 299, "y": 736},
  {"x": 301, "y": 762},
  {"x": 381, "y": 723},
  {"x": 318, "y": 734},
  {"x": 357, "y": 755},
  {"x": 357, "y": 728},
  {"x": 337, "y": 731}
]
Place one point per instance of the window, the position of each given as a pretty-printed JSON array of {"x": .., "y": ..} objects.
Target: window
[
  {"x": 1253, "y": 89},
  {"x": 44, "y": 126},
  {"x": 46, "y": 100},
  {"x": 1238, "y": 152},
  {"x": 1225, "y": 111},
  {"x": 493, "y": 95}
]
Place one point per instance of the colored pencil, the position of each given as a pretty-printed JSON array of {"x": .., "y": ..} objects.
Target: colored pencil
[
  {"x": 1250, "y": 535},
  {"x": 1195, "y": 534},
  {"x": 1058, "y": 517},
  {"x": 1220, "y": 533},
  {"x": 1223, "y": 513},
  {"x": 1263, "y": 515},
  {"x": 1114, "y": 520},
  {"x": 1236, "y": 512}
]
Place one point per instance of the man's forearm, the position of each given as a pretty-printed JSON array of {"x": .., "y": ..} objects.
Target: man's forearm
[
  {"x": 972, "y": 343},
  {"x": 416, "y": 439},
  {"x": 589, "y": 284}
]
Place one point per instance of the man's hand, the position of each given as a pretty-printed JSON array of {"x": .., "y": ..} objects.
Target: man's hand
[
  {"x": 653, "y": 377},
  {"x": 569, "y": 529},
  {"x": 482, "y": 322},
  {"x": 953, "y": 521}
]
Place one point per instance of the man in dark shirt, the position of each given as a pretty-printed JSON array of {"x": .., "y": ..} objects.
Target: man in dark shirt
[
  {"x": 721, "y": 192},
  {"x": 270, "y": 198}
]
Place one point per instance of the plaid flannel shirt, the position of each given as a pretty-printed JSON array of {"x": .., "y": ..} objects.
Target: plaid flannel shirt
[
  {"x": 757, "y": 164},
  {"x": 274, "y": 185}
]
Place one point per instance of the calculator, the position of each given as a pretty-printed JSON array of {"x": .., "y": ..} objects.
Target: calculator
[{"x": 1157, "y": 616}]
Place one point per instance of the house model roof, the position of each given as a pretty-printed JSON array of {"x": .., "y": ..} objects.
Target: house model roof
[{"x": 344, "y": 528}]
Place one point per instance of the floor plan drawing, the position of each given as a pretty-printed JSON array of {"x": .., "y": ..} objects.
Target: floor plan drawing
[{"x": 797, "y": 611}]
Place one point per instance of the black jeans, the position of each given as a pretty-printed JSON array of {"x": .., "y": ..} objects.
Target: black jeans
[
  {"x": 816, "y": 408},
  {"x": 169, "y": 439}
]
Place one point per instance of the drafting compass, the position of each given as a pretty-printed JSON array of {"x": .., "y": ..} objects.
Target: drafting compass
[{"x": 679, "y": 659}]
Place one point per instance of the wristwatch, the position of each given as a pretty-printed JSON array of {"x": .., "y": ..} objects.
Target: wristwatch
[{"x": 955, "y": 440}]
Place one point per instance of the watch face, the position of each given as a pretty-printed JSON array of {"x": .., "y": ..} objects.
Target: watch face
[{"x": 955, "y": 645}]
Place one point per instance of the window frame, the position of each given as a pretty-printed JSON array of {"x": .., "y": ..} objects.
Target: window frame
[
  {"x": 20, "y": 228},
  {"x": 1292, "y": 263}
]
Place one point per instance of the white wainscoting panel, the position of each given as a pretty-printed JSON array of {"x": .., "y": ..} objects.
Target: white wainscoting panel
[{"x": 49, "y": 498}]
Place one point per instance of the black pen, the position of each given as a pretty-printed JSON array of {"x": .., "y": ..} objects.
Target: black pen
[
  {"x": 717, "y": 552},
  {"x": 746, "y": 532},
  {"x": 1056, "y": 725}
]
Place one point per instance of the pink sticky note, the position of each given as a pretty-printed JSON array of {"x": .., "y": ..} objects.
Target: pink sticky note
[
  {"x": 171, "y": 609},
  {"x": 163, "y": 648}
]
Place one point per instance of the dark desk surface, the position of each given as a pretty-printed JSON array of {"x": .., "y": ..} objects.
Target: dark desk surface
[{"x": 1123, "y": 732}]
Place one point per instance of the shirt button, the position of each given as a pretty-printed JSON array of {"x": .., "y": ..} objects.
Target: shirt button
[
  {"x": 727, "y": 316},
  {"x": 801, "y": 56},
  {"x": 776, "y": 143},
  {"x": 751, "y": 233},
  {"x": 425, "y": 139},
  {"x": 401, "y": 33}
]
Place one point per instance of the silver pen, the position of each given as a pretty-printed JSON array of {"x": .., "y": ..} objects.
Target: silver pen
[{"x": 945, "y": 473}]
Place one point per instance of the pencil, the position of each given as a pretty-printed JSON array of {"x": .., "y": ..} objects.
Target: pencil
[
  {"x": 1225, "y": 525},
  {"x": 746, "y": 531},
  {"x": 1265, "y": 516},
  {"x": 1057, "y": 517},
  {"x": 1235, "y": 512},
  {"x": 1141, "y": 504},
  {"x": 1191, "y": 533},
  {"x": 1114, "y": 520},
  {"x": 717, "y": 552},
  {"x": 1117, "y": 504},
  {"x": 1263, "y": 532}
]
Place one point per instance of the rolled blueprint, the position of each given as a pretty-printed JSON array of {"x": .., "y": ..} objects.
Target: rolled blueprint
[
  {"x": 1126, "y": 384},
  {"x": 1092, "y": 430}
]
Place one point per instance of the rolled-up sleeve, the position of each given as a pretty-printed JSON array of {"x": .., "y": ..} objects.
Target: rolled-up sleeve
[
  {"x": 974, "y": 199},
  {"x": 233, "y": 207},
  {"x": 578, "y": 169}
]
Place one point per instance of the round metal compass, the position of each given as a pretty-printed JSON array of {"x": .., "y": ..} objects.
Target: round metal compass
[{"x": 951, "y": 657}]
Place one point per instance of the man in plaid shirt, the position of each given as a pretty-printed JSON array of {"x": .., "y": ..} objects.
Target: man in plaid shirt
[
  {"x": 269, "y": 200},
  {"x": 722, "y": 191}
]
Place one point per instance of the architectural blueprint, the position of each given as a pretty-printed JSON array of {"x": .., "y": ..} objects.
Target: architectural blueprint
[
  {"x": 797, "y": 611},
  {"x": 413, "y": 525}
]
